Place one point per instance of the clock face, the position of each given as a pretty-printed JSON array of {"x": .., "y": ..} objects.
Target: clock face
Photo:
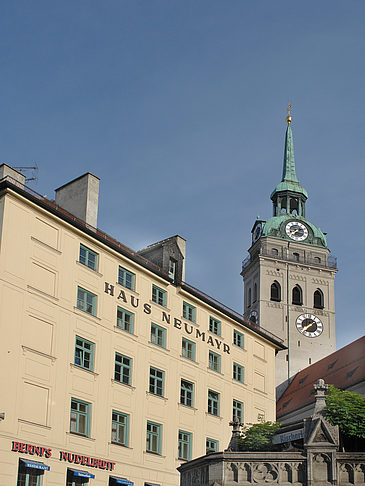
[
  {"x": 296, "y": 230},
  {"x": 309, "y": 325},
  {"x": 257, "y": 232},
  {"x": 254, "y": 317}
]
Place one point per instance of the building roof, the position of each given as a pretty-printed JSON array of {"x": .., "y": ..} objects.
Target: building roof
[
  {"x": 343, "y": 369},
  {"x": 28, "y": 193}
]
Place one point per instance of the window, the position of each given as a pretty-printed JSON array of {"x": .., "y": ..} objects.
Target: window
[
  {"x": 318, "y": 299},
  {"x": 249, "y": 298},
  {"x": 78, "y": 478},
  {"x": 120, "y": 428},
  {"x": 123, "y": 369},
  {"x": 213, "y": 402},
  {"x": 215, "y": 326},
  {"x": 317, "y": 260},
  {"x": 159, "y": 296},
  {"x": 189, "y": 312},
  {"x": 125, "y": 320},
  {"x": 157, "y": 378},
  {"x": 274, "y": 252},
  {"x": 275, "y": 291},
  {"x": 154, "y": 436},
  {"x": 172, "y": 269},
  {"x": 126, "y": 278},
  {"x": 86, "y": 301},
  {"x": 296, "y": 257},
  {"x": 238, "y": 339},
  {"x": 187, "y": 393},
  {"x": 158, "y": 335},
  {"x": 238, "y": 372},
  {"x": 84, "y": 353},
  {"x": 188, "y": 349},
  {"x": 255, "y": 292},
  {"x": 29, "y": 475},
  {"x": 185, "y": 442},
  {"x": 80, "y": 417},
  {"x": 211, "y": 445},
  {"x": 297, "y": 295},
  {"x": 88, "y": 257},
  {"x": 214, "y": 361},
  {"x": 238, "y": 410}
]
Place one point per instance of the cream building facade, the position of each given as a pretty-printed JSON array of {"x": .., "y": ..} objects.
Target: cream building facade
[
  {"x": 113, "y": 369},
  {"x": 289, "y": 276}
]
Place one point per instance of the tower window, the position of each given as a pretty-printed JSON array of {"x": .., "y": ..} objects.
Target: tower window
[
  {"x": 255, "y": 292},
  {"x": 274, "y": 251},
  {"x": 275, "y": 292},
  {"x": 249, "y": 298},
  {"x": 296, "y": 257},
  {"x": 317, "y": 260},
  {"x": 318, "y": 299},
  {"x": 297, "y": 295}
]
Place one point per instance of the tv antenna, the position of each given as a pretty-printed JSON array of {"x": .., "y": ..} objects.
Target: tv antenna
[{"x": 30, "y": 172}]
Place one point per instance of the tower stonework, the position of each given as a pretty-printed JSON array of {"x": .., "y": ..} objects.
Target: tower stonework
[{"x": 289, "y": 276}]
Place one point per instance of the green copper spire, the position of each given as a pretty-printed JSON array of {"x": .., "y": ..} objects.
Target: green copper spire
[
  {"x": 289, "y": 174},
  {"x": 289, "y": 181}
]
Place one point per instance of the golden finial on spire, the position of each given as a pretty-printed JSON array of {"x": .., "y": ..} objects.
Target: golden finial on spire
[{"x": 288, "y": 118}]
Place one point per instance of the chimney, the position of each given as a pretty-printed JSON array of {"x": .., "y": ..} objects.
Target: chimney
[
  {"x": 15, "y": 176},
  {"x": 80, "y": 197}
]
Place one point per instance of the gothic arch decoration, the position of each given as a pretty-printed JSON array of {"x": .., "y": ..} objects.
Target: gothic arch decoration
[
  {"x": 297, "y": 295},
  {"x": 318, "y": 299},
  {"x": 275, "y": 291}
]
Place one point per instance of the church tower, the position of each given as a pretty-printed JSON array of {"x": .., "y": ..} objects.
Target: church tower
[{"x": 289, "y": 276}]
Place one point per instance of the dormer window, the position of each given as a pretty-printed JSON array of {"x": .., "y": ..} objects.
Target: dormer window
[{"x": 172, "y": 269}]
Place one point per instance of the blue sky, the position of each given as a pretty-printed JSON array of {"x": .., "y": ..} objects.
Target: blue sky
[{"x": 179, "y": 107}]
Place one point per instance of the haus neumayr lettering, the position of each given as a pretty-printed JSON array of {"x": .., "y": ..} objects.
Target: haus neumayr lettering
[{"x": 165, "y": 317}]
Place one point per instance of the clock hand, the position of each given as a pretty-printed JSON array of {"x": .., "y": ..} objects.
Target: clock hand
[{"x": 307, "y": 326}]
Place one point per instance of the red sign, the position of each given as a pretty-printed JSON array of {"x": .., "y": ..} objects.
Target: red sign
[{"x": 64, "y": 456}]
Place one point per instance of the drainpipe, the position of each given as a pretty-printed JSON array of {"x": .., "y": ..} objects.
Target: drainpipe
[{"x": 287, "y": 308}]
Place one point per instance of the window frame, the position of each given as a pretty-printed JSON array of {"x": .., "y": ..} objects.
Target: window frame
[
  {"x": 124, "y": 325},
  {"x": 26, "y": 474},
  {"x": 185, "y": 440},
  {"x": 298, "y": 301},
  {"x": 156, "y": 383},
  {"x": 157, "y": 433},
  {"x": 238, "y": 372},
  {"x": 208, "y": 449},
  {"x": 84, "y": 259},
  {"x": 189, "y": 312},
  {"x": 186, "y": 393},
  {"x": 161, "y": 333},
  {"x": 236, "y": 408},
  {"x": 215, "y": 326},
  {"x": 82, "y": 302},
  {"x": 241, "y": 336},
  {"x": 318, "y": 302},
  {"x": 159, "y": 296},
  {"x": 185, "y": 350},
  {"x": 214, "y": 361},
  {"x": 275, "y": 288},
  {"x": 84, "y": 352},
  {"x": 118, "y": 426},
  {"x": 126, "y": 278},
  {"x": 123, "y": 366},
  {"x": 78, "y": 413},
  {"x": 213, "y": 403}
]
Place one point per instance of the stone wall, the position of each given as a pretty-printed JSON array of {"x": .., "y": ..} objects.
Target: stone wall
[{"x": 271, "y": 468}]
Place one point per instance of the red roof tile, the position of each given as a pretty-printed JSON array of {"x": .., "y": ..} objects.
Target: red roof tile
[{"x": 343, "y": 368}]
